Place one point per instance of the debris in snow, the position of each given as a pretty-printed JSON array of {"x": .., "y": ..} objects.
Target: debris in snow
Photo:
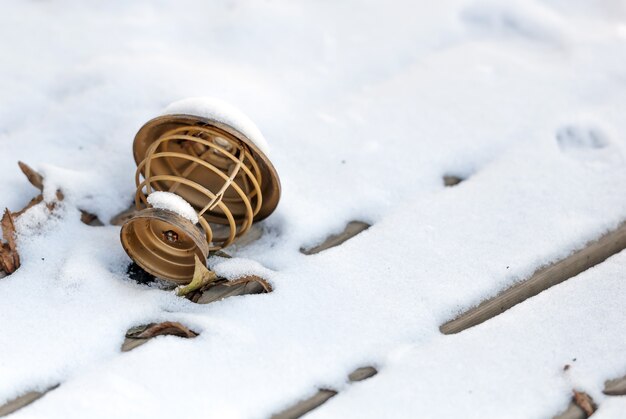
[
  {"x": 33, "y": 177},
  {"x": 37, "y": 180},
  {"x": 9, "y": 258},
  {"x": 452, "y": 180},
  {"x": 243, "y": 281},
  {"x": 616, "y": 387},
  {"x": 31, "y": 203},
  {"x": 362, "y": 373},
  {"x": 151, "y": 330},
  {"x": 220, "y": 111},
  {"x": 23, "y": 401},
  {"x": 305, "y": 406},
  {"x": 248, "y": 279},
  {"x": 90, "y": 219},
  {"x": 352, "y": 229},
  {"x": 585, "y": 402},
  {"x": 222, "y": 289},
  {"x": 172, "y": 202},
  {"x": 137, "y": 336}
]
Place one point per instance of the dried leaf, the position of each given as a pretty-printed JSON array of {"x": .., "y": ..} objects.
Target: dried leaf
[
  {"x": 165, "y": 328},
  {"x": 201, "y": 277},
  {"x": 90, "y": 219},
  {"x": 250, "y": 278},
  {"x": 34, "y": 177},
  {"x": 6, "y": 260},
  {"x": 10, "y": 257},
  {"x": 194, "y": 296},
  {"x": 8, "y": 228},
  {"x": 585, "y": 402},
  {"x": 28, "y": 206},
  {"x": 136, "y": 330}
]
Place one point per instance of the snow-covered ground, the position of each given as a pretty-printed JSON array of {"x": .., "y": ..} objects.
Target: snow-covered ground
[{"x": 365, "y": 106}]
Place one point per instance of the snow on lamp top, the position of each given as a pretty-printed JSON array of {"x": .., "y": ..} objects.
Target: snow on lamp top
[{"x": 220, "y": 111}]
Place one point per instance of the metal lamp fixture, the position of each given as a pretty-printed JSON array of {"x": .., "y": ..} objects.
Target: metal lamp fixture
[{"x": 214, "y": 167}]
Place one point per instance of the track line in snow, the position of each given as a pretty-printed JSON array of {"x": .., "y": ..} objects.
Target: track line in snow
[
  {"x": 352, "y": 229},
  {"x": 545, "y": 277},
  {"x": 24, "y": 400},
  {"x": 322, "y": 396}
]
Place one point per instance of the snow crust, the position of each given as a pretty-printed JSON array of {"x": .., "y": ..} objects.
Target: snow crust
[
  {"x": 221, "y": 111},
  {"x": 175, "y": 203},
  {"x": 367, "y": 106}
]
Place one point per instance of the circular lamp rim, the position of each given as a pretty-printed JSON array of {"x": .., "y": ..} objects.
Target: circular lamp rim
[{"x": 269, "y": 205}]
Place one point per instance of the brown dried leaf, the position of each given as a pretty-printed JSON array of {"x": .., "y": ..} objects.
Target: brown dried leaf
[
  {"x": 8, "y": 228},
  {"x": 165, "y": 328},
  {"x": 6, "y": 260},
  {"x": 585, "y": 402},
  {"x": 28, "y": 206},
  {"x": 90, "y": 219},
  {"x": 36, "y": 200},
  {"x": 10, "y": 257},
  {"x": 34, "y": 177},
  {"x": 250, "y": 278},
  {"x": 136, "y": 330}
]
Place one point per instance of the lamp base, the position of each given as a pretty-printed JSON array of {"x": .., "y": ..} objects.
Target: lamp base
[{"x": 164, "y": 244}]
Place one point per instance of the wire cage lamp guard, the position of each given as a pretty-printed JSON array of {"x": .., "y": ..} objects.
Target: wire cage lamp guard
[{"x": 228, "y": 181}]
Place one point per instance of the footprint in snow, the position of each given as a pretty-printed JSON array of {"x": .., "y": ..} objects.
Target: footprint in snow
[{"x": 588, "y": 144}]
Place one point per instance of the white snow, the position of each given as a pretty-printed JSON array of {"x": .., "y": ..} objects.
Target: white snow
[
  {"x": 175, "y": 203},
  {"x": 221, "y": 111},
  {"x": 366, "y": 106}
]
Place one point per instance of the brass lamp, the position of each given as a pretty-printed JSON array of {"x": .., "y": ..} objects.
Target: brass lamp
[{"x": 214, "y": 167}]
